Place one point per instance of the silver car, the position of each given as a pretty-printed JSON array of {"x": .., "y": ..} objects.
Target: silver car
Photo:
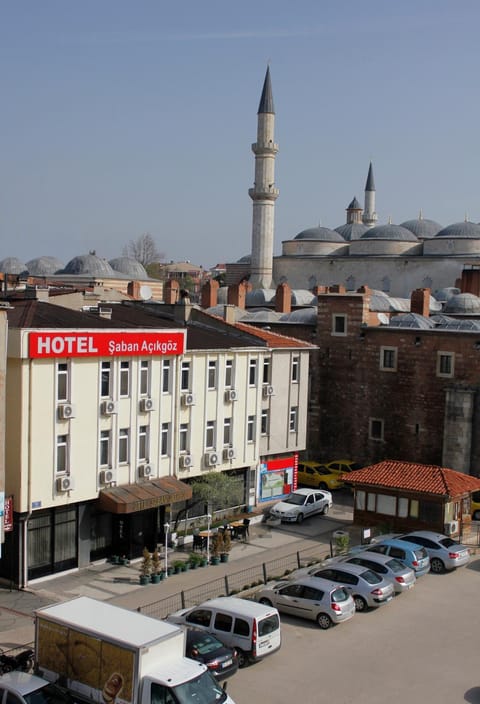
[
  {"x": 444, "y": 553},
  {"x": 402, "y": 577},
  {"x": 368, "y": 588},
  {"x": 302, "y": 503},
  {"x": 317, "y": 599}
]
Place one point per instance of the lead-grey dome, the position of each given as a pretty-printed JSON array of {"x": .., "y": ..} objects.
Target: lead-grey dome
[
  {"x": 443, "y": 294},
  {"x": 422, "y": 228},
  {"x": 12, "y": 265},
  {"x": 245, "y": 259},
  {"x": 44, "y": 266},
  {"x": 129, "y": 266},
  {"x": 389, "y": 232},
  {"x": 463, "y": 304},
  {"x": 89, "y": 264},
  {"x": 462, "y": 230},
  {"x": 320, "y": 233},
  {"x": 351, "y": 231}
]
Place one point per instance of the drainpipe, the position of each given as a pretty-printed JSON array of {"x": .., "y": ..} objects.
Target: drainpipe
[{"x": 24, "y": 574}]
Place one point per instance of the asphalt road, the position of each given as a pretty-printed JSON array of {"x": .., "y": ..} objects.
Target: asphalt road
[{"x": 421, "y": 648}]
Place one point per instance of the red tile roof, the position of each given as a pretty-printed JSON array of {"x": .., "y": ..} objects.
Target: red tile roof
[
  {"x": 427, "y": 479},
  {"x": 273, "y": 339}
]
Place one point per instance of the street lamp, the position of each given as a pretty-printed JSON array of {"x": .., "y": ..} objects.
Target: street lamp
[
  {"x": 166, "y": 527},
  {"x": 209, "y": 523}
]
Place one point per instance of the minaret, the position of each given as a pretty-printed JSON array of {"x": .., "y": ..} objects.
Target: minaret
[
  {"x": 264, "y": 194},
  {"x": 369, "y": 215},
  {"x": 354, "y": 212}
]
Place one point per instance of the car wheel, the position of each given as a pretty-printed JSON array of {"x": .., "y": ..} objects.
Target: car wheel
[
  {"x": 243, "y": 659},
  {"x": 360, "y": 603},
  {"x": 325, "y": 510},
  {"x": 300, "y": 518},
  {"x": 324, "y": 621},
  {"x": 265, "y": 601},
  {"x": 322, "y": 485},
  {"x": 436, "y": 565}
]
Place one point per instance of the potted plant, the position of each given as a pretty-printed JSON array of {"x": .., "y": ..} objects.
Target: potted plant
[
  {"x": 194, "y": 560},
  {"x": 145, "y": 567},
  {"x": 157, "y": 573},
  {"x": 178, "y": 566},
  {"x": 227, "y": 544},
  {"x": 217, "y": 548}
]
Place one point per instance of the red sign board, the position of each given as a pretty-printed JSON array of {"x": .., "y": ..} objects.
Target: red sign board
[
  {"x": 105, "y": 344},
  {"x": 8, "y": 514}
]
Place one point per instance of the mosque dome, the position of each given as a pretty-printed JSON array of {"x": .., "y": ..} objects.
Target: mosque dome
[
  {"x": 443, "y": 294},
  {"x": 245, "y": 260},
  {"x": 12, "y": 265},
  {"x": 351, "y": 231},
  {"x": 389, "y": 232},
  {"x": 463, "y": 304},
  {"x": 89, "y": 264},
  {"x": 422, "y": 228},
  {"x": 44, "y": 266},
  {"x": 129, "y": 266},
  {"x": 463, "y": 230},
  {"x": 320, "y": 233}
]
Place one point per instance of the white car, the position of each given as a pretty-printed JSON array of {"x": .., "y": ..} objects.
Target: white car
[{"x": 302, "y": 503}]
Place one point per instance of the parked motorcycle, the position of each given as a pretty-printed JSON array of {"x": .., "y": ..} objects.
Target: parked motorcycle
[{"x": 20, "y": 661}]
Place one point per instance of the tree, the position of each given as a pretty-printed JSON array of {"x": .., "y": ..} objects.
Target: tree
[
  {"x": 143, "y": 249},
  {"x": 218, "y": 490}
]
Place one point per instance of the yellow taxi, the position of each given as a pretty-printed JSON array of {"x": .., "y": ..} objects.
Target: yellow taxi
[
  {"x": 475, "y": 505},
  {"x": 341, "y": 466},
  {"x": 314, "y": 474}
]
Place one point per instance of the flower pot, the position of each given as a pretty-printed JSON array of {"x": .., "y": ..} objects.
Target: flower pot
[
  {"x": 115, "y": 560},
  {"x": 224, "y": 557},
  {"x": 193, "y": 565},
  {"x": 155, "y": 578},
  {"x": 215, "y": 560},
  {"x": 144, "y": 579}
]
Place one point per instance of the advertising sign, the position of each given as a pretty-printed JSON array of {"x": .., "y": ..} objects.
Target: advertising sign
[
  {"x": 278, "y": 478},
  {"x": 8, "y": 514},
  {"x": 86, "y": 343}
]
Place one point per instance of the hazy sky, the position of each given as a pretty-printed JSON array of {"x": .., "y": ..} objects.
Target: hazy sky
[{"x": 120, "y": 117}]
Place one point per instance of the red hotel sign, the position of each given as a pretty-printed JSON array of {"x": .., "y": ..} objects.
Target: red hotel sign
[{"x": 105, "y": 344}]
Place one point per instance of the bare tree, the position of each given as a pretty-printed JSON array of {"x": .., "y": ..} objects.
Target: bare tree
[{"x": 143, "y": 249}]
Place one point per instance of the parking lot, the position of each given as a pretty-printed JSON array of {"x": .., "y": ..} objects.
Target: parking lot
[{"x": 420, "y": 647}]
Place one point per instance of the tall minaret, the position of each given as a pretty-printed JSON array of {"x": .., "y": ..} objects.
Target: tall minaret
[
  {"x": 264, "y": 194},
  {"x": 369, "y": 214}
]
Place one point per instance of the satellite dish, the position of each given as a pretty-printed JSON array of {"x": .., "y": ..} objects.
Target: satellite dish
[
  {"x": 145, "y": 293},
  {"x": 384, "y": 319}
]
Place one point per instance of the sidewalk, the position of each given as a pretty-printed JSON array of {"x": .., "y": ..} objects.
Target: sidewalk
[{"x": 120, "y": 584}]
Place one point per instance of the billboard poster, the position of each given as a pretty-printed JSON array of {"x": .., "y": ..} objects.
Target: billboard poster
[
  {"x": 8, "y": 514},
  {"x": 277, "y": 478},
  {"x": 90, "y": 343}
]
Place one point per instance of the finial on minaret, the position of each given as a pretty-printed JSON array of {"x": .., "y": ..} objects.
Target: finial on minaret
[
  {"x": 266, "y": 101},
  {"x": 389, "y": 219},
  {"x": 370, "y": 185},
  {"x": 369, "y": 215},
  {"x": 466, "y": 217},
  {"x": 420, "y": 214}
]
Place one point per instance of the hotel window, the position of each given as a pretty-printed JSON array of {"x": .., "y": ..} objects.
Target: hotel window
[
  {"x": 166, "y": 367},
  {"x": 212, "y": 374},
  {"x": 445, "y": 364},
  {"x": 106, "y": 380},
  {"x": 62, "y": 454},
  {"x": 295, "y": 369},
  {"x": 229, "y": 373},
  {"x": 210, "y": 435},
  {"x": 165, "y": 439},
  {"x": 265, "y": 421},
  {"x": 388, "y": 359},
  {"x": 252, "y": 372},
  {"x": 183, "y": 437},
  {"x": 144, "y": 377},
  {"x": 250, "y": 428},
  {"x": 62, "y": 382},
  {"x": 375, "y": 429},
  {"x": 266, "y": 370},
  {"x": 293, "y": 421},
  {"x": 185, "y": 377},
  {"x": 105, "y": 448},
  {"x": 123, "y": 445},
  {"x": 143, "y": 442},
  {"x": 339, "y": 325},
  {"x": 227, "y": 431},
  {"x": 124, "y": 378}
]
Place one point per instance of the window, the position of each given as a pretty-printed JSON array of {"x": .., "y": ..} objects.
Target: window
[
  {"x": 295, "y": 369},
  {"x": 252, "y": 372},
  {"x": 165, "y": 439},
  {"x": 212, "y": 374},
  {"x": 223, "y": 622},
  {"x": 227, "y": 431},
  {"x": 445, "y": 364},
  {"x": 266, "y": 370},
  {"x": 106, "y": 379},
  {"x": 105, "y": 448},
  {"x": 210, "y": 434},
  {"x": 123, "y": 445},
  {"x": 339, "y": 325},
  {"x": 144, "y": 377},
  {"x": 229, "y": 373},
  {"x": 386, "y": 504},
  {"x": 183, "y": 440},
  {"x": 376, "y": 429},
  {"x": 360, "y": 500},
  {"x": 62, "y": 454},
  {"x": 293, "y": 421},
  {"x": 124, "y": 378},
  {"x": 143, "y": 442},
  {"x": 185, "y": 377},
  {"x": 62, "y": 382},
  {"x": 250, "y": 428},
  {"x": 166, "y": 367},
  {"x": 265, "y": 422},
  {"x": 388, "y": 359}
]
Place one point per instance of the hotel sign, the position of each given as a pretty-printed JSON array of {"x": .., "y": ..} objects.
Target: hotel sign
[{"x": 43, "y": 345}]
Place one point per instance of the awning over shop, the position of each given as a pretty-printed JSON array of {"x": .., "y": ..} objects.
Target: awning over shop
[{"x": 131, "y": 498}]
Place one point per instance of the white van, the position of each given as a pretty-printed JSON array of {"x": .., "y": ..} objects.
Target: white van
[{"x": 252, "y": 629}]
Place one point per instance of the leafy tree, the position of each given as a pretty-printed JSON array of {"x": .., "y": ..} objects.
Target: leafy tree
[
  {"x": 217, "y": 490},
  {"x": 143, "y": 249}
]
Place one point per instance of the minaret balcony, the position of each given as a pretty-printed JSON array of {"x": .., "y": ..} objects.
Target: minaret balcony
[
  {"x": 260, "y": 148},
  {"x": 263, "y": 193}
]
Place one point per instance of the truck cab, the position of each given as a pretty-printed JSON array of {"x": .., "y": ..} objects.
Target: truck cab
[{"x": 24, "y": 688}]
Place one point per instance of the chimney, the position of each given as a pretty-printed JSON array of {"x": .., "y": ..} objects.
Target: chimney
[
  {"x": 237, "y": 294},
  {"x": 420, "y": 302},
  {"x": 210, "y": 294},
  {"x": 229, "y": 314},
  {"x": 133, "y": 289},
  {"x": 171, "y": 292},
  {"x": 283, "y": 298},
  {"x": 337, "y": 288},
  {"x": 470, "y": 282}
]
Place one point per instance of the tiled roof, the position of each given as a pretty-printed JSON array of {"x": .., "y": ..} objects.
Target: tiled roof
[
  {"x": 273, "y": 339},
  {"x": 427, "y": 479}
]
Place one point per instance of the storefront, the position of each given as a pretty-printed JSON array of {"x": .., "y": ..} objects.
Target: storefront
[{"x": 277, "y": 478}]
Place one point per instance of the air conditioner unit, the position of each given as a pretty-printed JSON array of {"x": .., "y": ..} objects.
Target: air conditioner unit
[
  {"x": 186, "y": 461},
  {"x": 147, "y": 404},
  {"x": 229, "y": 453},
  {"x": 66, "y": 411},
  {"x": 107, "y": 476},
  {"x": 268, "y": 391},
  {"x": 145, "y": 470},
  {"x": 188, "y": 400},
  {"x": 211, "y": 459},
  {"x": 108, "y": 408},
  {"x": 231, "y": 395},
  {"x": 65, "y": 483},
  {"x": 451, "y": 527}
]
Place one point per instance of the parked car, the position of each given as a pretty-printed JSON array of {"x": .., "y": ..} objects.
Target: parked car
[
  {"x": 318, "y": 476},
  {"x": 412, "y": 554},
  {"x": 341, "y": 466},
  {"x": 445, "y": 553},
  {"x": 302, "y": 503},
  {"x": 317, "y": 599},
  {"x": 368, "y": 588},
  {"x": 402, "y": 577},
  {"x": 205, "y": 647}
]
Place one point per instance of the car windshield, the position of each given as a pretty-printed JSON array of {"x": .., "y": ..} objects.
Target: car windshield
[
  {"x": 395, "y": 565},
  {"x": 50, "y": 694},
  {"x": 371, "y": 577},
  {"x": 201, "y": 690},
  {"x": 297, "y": 499},
  {"x": 269, "y": 624},
  {"x": 339, "y": 595}
]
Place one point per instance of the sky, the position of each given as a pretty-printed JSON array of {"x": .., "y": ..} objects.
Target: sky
[{"x": 122, "y": 117}]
